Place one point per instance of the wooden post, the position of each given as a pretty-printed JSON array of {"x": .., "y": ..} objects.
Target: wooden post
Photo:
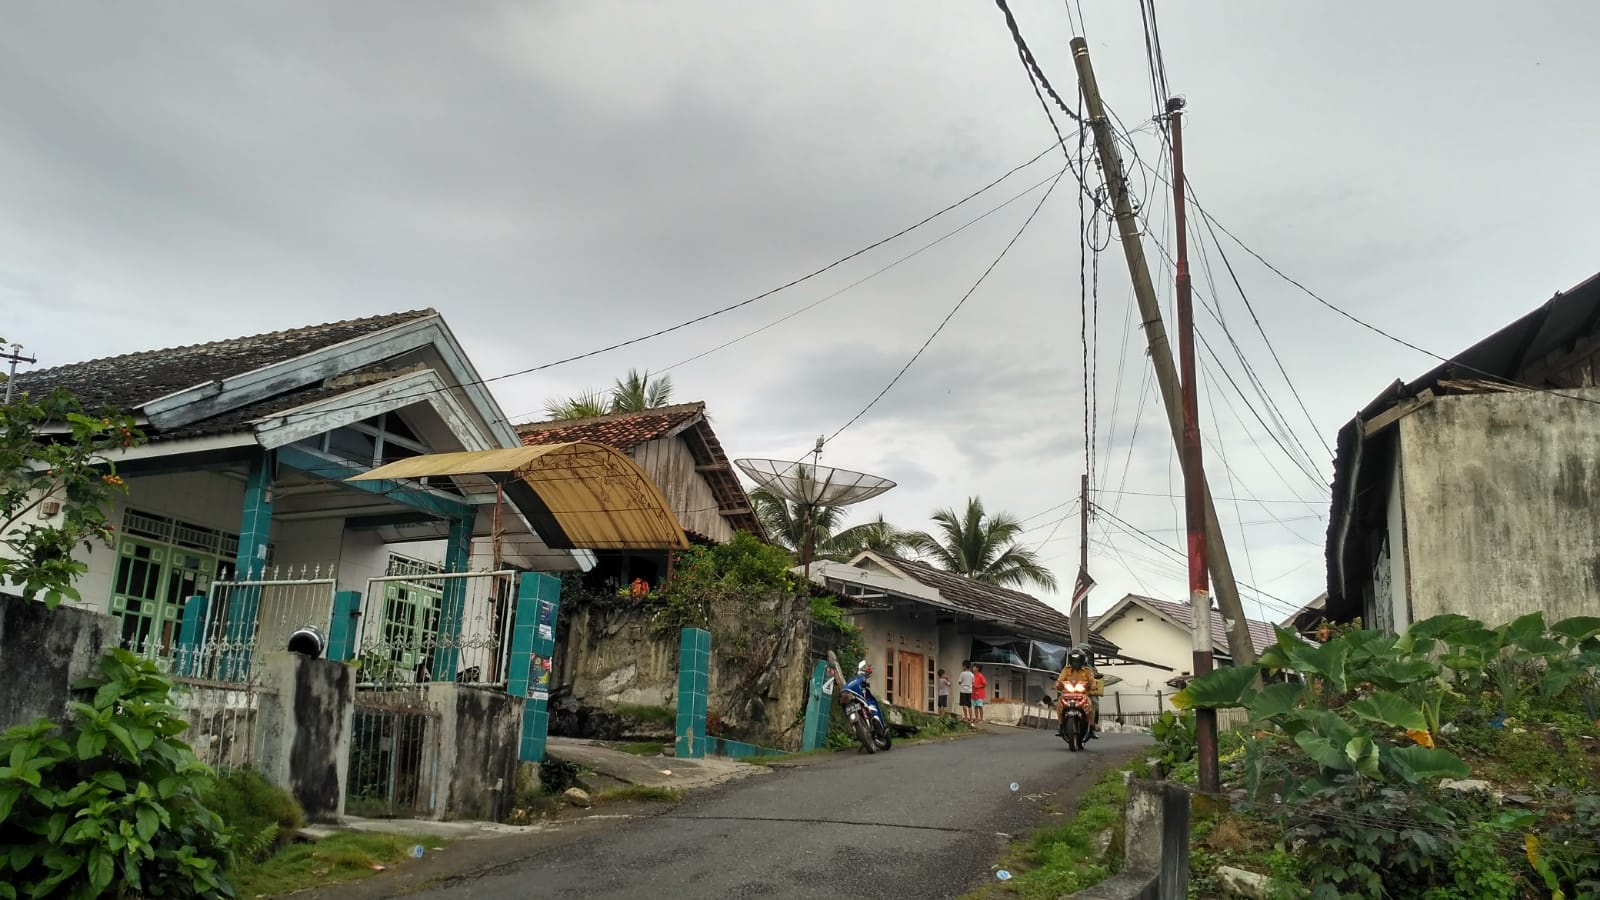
[{"x": 1118, "y": 698}]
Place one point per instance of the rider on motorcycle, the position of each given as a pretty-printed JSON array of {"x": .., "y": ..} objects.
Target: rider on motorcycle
[{"x": 1078, "y": 669}]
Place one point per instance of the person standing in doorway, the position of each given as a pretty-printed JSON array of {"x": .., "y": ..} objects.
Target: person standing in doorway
[
  {"x": 944, "y": 693},
  {"x": 964, "y": 687},
  {"x": 980, "y": 692}
]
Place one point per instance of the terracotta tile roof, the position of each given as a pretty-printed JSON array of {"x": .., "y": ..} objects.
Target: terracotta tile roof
[
  {"x": 133, "y": 379},
  {"x": 1261, "y": 633},
  {"x": 998, "y": 603},
  {"x": 623, "y": 431},
  {"x": 627, "y": 431}
]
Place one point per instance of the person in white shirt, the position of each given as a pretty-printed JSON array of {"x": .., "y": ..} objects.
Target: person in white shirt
[{"x": 964, "y": 683}]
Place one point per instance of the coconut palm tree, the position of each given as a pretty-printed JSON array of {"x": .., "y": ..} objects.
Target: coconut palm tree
[
  {"x": 787, "y": 522},
  {"x": 877, "y": 535},
  {"x": 636, "y": 393},
  {"x": 982, "y": 547},
  {"x": 640, "y": 392}
]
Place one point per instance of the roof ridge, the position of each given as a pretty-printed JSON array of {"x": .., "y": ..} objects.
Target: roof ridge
[
  {"x": 396, "y": 317},
  {"x": 551, "y": 424}
]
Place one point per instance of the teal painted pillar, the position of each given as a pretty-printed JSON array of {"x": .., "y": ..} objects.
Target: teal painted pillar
[
  {"x": 255, "y": 532},
  {"x": 457, "y": 556},
  {"x": 343, "y": 628},
  {"x": 818, "y": 707},
  {"x": 191, "y": 635},
  {"x": 694, "y": 682},
  {"x": 533, "y": 643}
]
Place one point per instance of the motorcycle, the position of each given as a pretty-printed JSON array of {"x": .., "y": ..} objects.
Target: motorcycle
[
  {"x": 866, "y": 718},
  {"x": 1074, "y": 713}
]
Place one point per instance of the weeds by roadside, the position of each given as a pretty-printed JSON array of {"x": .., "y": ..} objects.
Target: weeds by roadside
[{"x": 346, "y": 856}]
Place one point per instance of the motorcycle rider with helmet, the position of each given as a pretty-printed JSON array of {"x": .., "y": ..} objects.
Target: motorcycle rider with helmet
[{"x": 1078, "y": 669}]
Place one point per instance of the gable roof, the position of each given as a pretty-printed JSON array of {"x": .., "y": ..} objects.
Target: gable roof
[
  {"x": 131, "y": 380},
  {"x": 627, "y": 431},
  {"x": 1179, "y": 614},
  {"x": 623, "y": 431},
  {"x": 993, "y": 602}
]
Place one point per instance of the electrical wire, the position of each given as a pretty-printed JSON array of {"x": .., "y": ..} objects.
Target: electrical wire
[{"x": 948, "y": 316}]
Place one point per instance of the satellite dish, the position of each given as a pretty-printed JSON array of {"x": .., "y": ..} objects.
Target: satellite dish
[{"x": 812, "y": 486}]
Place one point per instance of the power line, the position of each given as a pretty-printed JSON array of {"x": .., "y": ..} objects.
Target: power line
[
  {"x": 1032, "y": 64},
  {"x": 1243, "y": 499},
  {"x": 951, "y": 314},
  {"x": 714, "y": 313}
]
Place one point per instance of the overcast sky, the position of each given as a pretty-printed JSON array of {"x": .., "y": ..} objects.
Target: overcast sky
[{"x": 557, "y": 177}]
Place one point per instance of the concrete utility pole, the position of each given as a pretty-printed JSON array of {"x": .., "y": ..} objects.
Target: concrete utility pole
[
  {"x": 1194, "y": 472},
  {"x": 1080, "y": 605},
  {"x": 15, "y": 356},
  {"x": 1243, "y": 649}
]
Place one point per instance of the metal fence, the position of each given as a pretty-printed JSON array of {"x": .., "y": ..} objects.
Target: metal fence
[
  {"x": 1043, "y": 715},
  {"x": 394, "y": 754},
  {"x": 224, "y": 721},
  {"x": 426, "y": 626}
]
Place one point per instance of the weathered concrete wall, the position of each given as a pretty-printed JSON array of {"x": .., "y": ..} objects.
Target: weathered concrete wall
[
  {"x": 1156, "y": 860},
  {"x": 1500, "y": 493},
  {"x": 44, "y": 652},
  {"x": 305, "y": 715},
  {"x": 610, "y": 654},
  {"x": 480, "y": 729}
]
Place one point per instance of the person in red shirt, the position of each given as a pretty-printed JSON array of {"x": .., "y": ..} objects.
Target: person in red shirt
[{"x": 980, "y": 691}]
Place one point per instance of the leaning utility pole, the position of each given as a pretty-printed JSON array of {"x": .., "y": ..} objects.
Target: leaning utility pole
[
  {"x": 1239, "y": 642},
  {"x": 1194, "y": 472},
  {"x": 15, "y": 356}
]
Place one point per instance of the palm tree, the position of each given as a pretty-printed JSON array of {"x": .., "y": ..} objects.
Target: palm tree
[
  {"x": 636, "y": 393},
  {"x": 583, "y": 406},
  {"x": 982, "y": 547},
  {"x": 640, "y": 392},
  {"x": 877, "y": 535},
  {"x": 787, "y": 522}
]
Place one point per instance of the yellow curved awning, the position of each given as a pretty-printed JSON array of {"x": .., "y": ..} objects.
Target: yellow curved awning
[{"x": 577, "y": 496}]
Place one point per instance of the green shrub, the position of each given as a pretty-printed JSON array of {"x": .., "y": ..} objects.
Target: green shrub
[
  {"x": 111, "y": 804},
  {"x": 252, "y": 807},
  {"x": 1175, "y": 735}
]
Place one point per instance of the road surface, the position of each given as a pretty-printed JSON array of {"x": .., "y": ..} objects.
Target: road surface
[{"x": 921, "y": 821}]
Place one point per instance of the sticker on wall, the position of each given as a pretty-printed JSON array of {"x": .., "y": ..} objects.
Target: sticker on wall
[{"x": 538, "y": 678}]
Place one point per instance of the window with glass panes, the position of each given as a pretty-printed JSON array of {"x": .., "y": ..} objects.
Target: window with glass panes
[
  {"x": 411, "y": 610},
  {"x": 161, "y": 563}
]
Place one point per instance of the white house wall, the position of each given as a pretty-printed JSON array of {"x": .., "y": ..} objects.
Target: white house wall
[
  {"x": 671, "y": 465},
  {"x": 1149, "y": 637},
  {"x": 881, "y": 631},
  {"x": 1500, "y": 498}
]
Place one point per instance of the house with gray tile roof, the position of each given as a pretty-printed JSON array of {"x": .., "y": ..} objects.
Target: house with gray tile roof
[{"x": 246, "y": 478}]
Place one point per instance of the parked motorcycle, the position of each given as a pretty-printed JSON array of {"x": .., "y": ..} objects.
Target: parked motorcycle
[
  {"x": 861, "y": 708},
  {"x": 1074, "y": 713}
]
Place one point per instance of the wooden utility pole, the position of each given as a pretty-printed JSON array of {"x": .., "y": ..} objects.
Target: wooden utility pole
[
  {"x": 1161, "y": 351},
  {"x": 1194, "y": 473},
  {"x": 1080, "y": 606}
]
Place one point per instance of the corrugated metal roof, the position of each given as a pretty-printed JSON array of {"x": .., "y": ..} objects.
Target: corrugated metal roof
[{"x": 577, "y": 495}]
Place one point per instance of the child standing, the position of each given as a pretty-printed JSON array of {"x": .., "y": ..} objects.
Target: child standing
[
  {"x": 964, "y": 686},
  {"x": 980, "y": 692},
  {"x": 944, "y": 693}
]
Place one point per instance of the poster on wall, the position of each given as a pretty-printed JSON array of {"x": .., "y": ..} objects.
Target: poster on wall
[
  {"x": 547, "y": 620},
  {"x": 539, "y": 678}
]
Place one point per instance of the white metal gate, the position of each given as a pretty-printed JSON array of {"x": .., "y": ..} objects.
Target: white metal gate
[{"x": 409, "y": 633}]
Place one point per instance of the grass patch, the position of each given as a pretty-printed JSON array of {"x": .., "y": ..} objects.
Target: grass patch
[
  {"x": 1063, "y": 858},
  {"x": 664, "y": 715},
  {"x": 638, "y": 748},
  {"x": 641, "y": 793},
  {"x": 346, "y": 856}
]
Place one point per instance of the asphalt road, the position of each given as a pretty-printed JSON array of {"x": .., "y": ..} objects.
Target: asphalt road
[{"x": 921, "y": 821}]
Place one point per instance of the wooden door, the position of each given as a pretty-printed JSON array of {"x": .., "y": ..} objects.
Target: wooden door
[{"x": 909, "y": 679}]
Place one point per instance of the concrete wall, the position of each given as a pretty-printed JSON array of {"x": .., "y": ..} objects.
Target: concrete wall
[
  {"x": 1500, "y": 493},
  {"x": 305, "y": 719},
  {"x": 44, "y": 652},
  {"x": 479, "y": 734},
  {"x": 610, "y": 656}
]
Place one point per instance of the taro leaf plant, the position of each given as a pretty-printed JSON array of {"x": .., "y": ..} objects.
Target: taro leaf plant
[{"x": 110, "y": 804}]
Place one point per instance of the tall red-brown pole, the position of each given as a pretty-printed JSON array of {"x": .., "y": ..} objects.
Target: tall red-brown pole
[{"x": 1194, "y": 501}]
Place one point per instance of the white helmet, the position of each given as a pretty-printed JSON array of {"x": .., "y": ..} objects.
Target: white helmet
[{"x": 863, "y": 668}]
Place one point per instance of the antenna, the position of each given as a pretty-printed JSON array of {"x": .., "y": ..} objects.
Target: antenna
[{"x": 811, "y": 487}]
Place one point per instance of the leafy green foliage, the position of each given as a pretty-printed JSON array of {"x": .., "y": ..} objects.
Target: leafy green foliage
[
  {"x": 1175, "y": 736},
  {"x": 112, "y": 804},
  {"x": 744, "y": 571},
  {"x": 52, "y": 451},
  {"x": 262, "y": 813},
  {"x": 635, "y": 393}
]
